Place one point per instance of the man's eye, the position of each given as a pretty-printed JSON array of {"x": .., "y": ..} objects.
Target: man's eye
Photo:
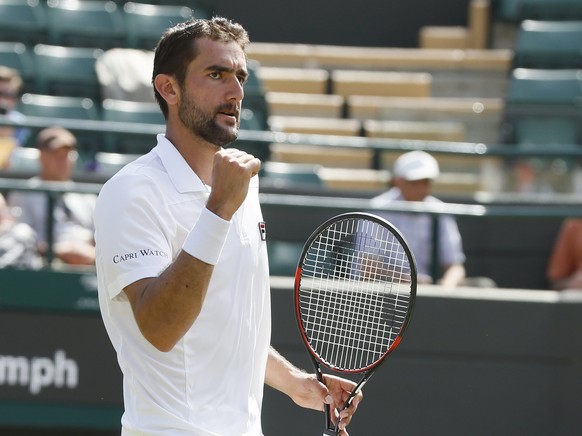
[{"x": 215, "y": 75}]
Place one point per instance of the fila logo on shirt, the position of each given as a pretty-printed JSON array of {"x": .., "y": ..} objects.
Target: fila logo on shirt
[{"x": 263, "y": 230}]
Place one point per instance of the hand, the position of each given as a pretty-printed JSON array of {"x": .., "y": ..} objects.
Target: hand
[
  {"x": 312, "y": 394},
  {"x": 575, "y": 280},
  {"x": 232, "y": 170}
]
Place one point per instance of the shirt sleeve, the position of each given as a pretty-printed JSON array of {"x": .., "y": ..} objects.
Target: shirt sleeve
[
  {"x": 131, "y": 232},
  {"x": 450, "y": 242}
]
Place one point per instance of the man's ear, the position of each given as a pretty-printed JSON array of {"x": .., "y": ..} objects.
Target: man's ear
[{"x": 168, "y": 88}]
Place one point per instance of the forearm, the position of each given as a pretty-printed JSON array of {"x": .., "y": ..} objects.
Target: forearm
[
  {"x": 165, "y": 307},
  {"x": 280, "y": 373}
]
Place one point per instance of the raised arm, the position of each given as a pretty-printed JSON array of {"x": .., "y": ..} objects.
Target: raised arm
[{"x": 165, "y": 307}]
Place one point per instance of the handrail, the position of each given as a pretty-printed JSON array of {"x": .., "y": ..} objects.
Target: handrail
[
  {"x": 267, "y": 137},
  {"x": 336, "y": 203},
  {"x": 540, "y": 209}
]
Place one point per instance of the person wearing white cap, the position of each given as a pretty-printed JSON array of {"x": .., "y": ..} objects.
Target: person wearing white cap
[{"x": 412, "y": 179}]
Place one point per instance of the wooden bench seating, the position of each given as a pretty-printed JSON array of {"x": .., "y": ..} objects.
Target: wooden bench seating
[
  {"x": 420, "y": 130},
  {"x": 354, "y": 179},
  {"x": 482, "y": 117},
  {"x": 427, "y": 108},
  {"x": 302, "y": 80},
  {"x": 303, "y": 104},
  {"x": 380, "y": 83},
  {"x": 328, "y": 156},
  {"x": 348, "y": 57},
  {"x": 315, "y": 125}
]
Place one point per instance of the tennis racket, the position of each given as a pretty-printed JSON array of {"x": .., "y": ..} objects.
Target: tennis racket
[{"x": 355, "y": 289}]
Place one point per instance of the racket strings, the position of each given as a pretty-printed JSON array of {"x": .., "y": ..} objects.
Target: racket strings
[{"x": 354, "y": 293}]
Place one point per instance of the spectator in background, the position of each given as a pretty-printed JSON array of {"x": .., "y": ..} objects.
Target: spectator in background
[
  {"x": 73, "y": 213},
  {"x": 412, "y": 180},
  {"x": 565, "y": 265},
  {"x": 17, "y": 241},
  {"x": 10, "y": 137}
]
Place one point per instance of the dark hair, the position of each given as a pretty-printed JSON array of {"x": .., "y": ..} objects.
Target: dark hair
[{"x": 176, "y": 48}]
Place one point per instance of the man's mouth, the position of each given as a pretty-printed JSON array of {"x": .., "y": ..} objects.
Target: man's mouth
[{"x": 232, "y": 113}]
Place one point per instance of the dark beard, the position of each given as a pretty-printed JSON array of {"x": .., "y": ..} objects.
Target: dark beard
[{"x": 205, "y": 126}]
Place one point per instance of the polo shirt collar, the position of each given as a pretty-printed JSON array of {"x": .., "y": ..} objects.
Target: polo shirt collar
[{"x": 179, "y": 172}]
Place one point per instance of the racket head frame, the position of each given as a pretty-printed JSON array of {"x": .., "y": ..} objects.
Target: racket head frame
[{"x": 317, "y": 360}]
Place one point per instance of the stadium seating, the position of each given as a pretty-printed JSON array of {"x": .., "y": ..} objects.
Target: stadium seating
[
  {"x": 22, "y": 21},
  {"x": 63, "y": 107},
  {"x": 304, "y": 80},
  {"x": 303, "y": 104},
  {"x": 393, "y": 84},
  {"x": 475, "y": 35},
  {"x": 544, "y": 107},
  {"x": 315, "y": 125},
  {"x": 25, "y": 160},
  {"x": 480, "y": 116},
  {"x": 549, "y": 44},
  {"x": 377, "y": 58},
  {"x": 18, "y": 56},
  {"x": 39, "y": 105},
  {"x": 145, "y": 23},
  {"x": 67, "y": 71},
  {"x": 284, "y": 174},
  {"x": 332, "y": 157},
  {"x": 107, "y": 164},
  {"x": 129, "y": 112},
  {"x": 515, "y": 11},
  {"x": 421, "y": 130},
  {"x": 90, "y": 23}
]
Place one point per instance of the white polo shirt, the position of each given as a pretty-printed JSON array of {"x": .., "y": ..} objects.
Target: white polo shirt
[{"x": 211, "y": 382}]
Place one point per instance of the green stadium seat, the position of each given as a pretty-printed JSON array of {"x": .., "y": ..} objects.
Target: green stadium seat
[
  {"x": 38, "y": 105},
  {"x": 23, "y": 21},
  {"x": 549, "y": 44},
  {"x": 16, "y": 55},
  {"x": 145, "y": 23},
  {"x": 130, "y": 112},
  {"x": 283, "y": 174},
  {"x": 544, "y": 107},
  {"x": 515, "y": 11},
  {"x": 25, "y": 160},
  {"x": 67, "y": 71},
  {"x": 550, "y": 10},
  {"x": 107, "y": 164},
  {"x": 51, "y": 106},
  {"x": 545, "y": 86},
  {"x": 89, "y": 23}
]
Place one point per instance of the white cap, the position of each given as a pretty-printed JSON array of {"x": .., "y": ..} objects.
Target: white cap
[{"x": 416, "y": 165}]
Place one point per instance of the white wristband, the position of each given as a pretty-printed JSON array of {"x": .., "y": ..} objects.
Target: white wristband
[{"x": 207, "y": 237}]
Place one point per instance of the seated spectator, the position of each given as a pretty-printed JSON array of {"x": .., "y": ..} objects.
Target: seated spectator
[
  {"x": 412, "y": 179},
  {"x": 17, "y": 241},
  {"x": 73, "y": 213},
  {"x": 10, "y": 137},
  {"x": 565, "y": 266}
]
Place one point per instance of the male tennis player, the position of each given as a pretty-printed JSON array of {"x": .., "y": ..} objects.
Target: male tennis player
[{"x": 182, "y": 263}]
